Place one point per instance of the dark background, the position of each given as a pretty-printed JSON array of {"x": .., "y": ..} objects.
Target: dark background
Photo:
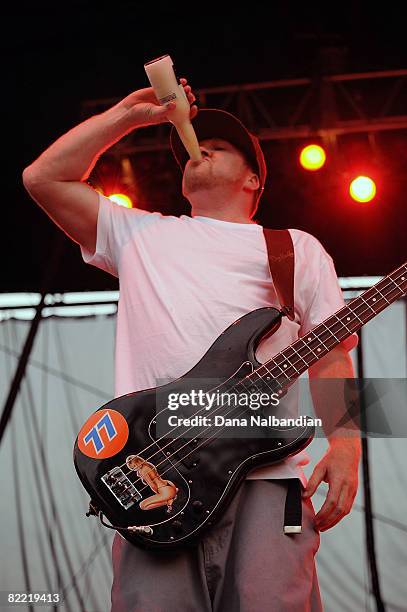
[{"x": 60, "y": 54}]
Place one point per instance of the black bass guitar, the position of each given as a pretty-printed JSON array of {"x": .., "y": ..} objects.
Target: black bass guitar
[{"x": 162, "y": 490}]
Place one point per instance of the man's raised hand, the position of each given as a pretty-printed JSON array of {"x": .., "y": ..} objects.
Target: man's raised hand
[{"x": 143, "y": 108}]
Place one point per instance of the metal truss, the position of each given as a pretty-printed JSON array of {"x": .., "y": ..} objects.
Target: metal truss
[{"x": 326, "y": 108}]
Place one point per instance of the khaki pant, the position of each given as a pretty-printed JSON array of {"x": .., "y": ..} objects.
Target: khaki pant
[{"x": 244, "y": 564}]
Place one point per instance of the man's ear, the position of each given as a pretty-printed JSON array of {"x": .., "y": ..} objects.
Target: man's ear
[{"x": 252, "y": 182}]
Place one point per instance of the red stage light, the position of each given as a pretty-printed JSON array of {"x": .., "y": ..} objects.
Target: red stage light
[{"x": 362, "y": 189}]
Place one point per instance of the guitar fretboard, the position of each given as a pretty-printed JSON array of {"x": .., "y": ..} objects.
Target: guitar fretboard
[{"x": 290, "y": 363}]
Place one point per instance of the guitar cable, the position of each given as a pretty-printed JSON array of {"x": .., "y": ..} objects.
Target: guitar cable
[{"x": 143, "y": 529}]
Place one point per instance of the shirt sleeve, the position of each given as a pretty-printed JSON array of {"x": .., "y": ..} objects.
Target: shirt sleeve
[
  {"x": 116, "y": 225},
  {"x": 327, "y": 298}
]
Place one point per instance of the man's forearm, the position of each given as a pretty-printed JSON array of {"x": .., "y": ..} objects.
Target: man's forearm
[
  {"x": 327, "y": 384},
  {"x": 73, "y": 156},
  {"x": 339, "y": 466}
]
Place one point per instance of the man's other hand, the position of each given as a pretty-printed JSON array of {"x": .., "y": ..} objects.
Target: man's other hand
[{"x": 339, "y": 468}]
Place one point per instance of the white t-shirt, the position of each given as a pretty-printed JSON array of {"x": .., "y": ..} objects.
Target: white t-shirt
[{"x": 184, "y": 280}]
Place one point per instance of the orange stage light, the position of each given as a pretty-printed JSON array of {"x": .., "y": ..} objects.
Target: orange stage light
[
  {"x": 362, "y": 189},
  {"x": 121, "y": 200},
  {"x": 312, "y": 157}
]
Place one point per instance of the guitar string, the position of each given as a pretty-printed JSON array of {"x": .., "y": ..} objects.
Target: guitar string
[
  {"x": 206, "y": 440},
  {"x": 252, "y": 384}
]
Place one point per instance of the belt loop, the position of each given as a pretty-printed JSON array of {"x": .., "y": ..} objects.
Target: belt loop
[{"x": 293, "y": 507}]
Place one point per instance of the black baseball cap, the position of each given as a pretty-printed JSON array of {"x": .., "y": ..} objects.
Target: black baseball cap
[{"x": 216, "y": 123}]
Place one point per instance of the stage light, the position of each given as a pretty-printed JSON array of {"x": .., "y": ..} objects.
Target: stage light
[
  {"x": 362, "y": 189},
  {"x": 121, "y": 200},
  {"x": 312, "y": 157}
]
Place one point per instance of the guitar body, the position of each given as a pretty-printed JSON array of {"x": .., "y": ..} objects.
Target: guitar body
[{"x": 175, "y": 488}]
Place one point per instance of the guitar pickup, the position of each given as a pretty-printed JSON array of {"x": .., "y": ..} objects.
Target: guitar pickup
[{"x": 121, "y": 487}]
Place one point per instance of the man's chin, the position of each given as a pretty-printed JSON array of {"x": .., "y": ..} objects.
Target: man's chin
[{"x": 194, "y": 186}]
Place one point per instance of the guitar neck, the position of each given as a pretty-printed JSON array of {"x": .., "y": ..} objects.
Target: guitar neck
[{"x": 290, "y": 363}]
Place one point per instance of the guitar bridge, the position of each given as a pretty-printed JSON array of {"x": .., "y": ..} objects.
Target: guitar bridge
[{"x": 121, "y": 487}]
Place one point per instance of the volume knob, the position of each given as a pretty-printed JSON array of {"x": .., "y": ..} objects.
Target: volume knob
[
  {"x": 197, "y": 506},
  {"x": 177, "y": 526}
]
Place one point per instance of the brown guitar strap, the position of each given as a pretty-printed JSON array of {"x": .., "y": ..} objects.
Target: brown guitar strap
[{"x": 280, "y": 251}]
